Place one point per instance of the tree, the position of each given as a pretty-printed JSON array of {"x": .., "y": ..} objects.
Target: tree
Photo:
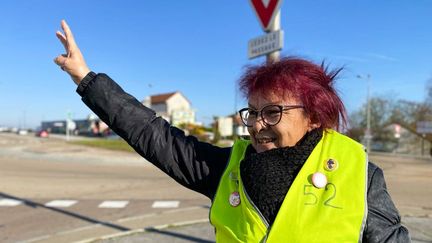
[
  {"x": 381, "y": 110},
  {"x": 355, "y": 128},
  {"x": 195, "y": 130},
  {"x": 428, "y": 99},
  {"x": 386, "y": 110},
  {"x": 408, "y": 113}
]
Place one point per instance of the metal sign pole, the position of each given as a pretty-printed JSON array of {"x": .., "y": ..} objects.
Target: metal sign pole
[
  {"x": 274, "y": 26},
  {"x": 422, "y": 144}
]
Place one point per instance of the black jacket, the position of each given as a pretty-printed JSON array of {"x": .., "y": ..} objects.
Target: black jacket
[{"x": 199, "y": 166}]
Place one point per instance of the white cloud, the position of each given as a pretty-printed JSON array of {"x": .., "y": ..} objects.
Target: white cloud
[{"x": 382, "y": 57}]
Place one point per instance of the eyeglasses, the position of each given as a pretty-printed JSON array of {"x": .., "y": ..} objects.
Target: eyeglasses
[{"x": 270, "y": 115}]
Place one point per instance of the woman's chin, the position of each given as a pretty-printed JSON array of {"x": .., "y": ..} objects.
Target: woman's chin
[{"x": 262, "y": 147}]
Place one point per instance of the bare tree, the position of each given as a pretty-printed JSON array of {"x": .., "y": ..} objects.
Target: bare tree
[
  {"x": 385, "y": 111},
  {"x": 428, "y": 99},
  {"x": 381, "y": 111}
]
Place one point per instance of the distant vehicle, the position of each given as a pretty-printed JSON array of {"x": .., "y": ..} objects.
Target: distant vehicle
[
  {"x": 4, "y": 129},
  {"x": 22, "y": 132},
  {"x": 42, "y": 134}
]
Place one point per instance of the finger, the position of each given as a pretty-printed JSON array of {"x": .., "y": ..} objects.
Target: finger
[
  {"x": 62, "y": 39},
  {"x": 60, "y": 60},
  {"x": 69, "y": 37}
]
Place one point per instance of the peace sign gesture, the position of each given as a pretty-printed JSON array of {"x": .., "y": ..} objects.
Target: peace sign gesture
[{"x": 73, "y": 61}]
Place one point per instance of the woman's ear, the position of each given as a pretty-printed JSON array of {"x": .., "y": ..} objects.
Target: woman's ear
[{"x": 312, "y": 126}]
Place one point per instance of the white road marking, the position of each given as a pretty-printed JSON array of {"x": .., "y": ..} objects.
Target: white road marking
[
  {"x": 7, "y": 202},
  {"x": 113, "y": 204},
  {"x": 61, "y": 203},
  {"x": 135, "y": 231},
  {"x": 117, "y": 221},
  {"x": 165, "y": 204}
]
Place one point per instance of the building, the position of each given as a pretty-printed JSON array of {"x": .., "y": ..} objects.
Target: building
[
  {"x": 239, "y": 128},
  {"x": 173, "y": 107},
  {"x": 225, "y": 126},
  {"x": 407, "y": 142},
  {"x": 231, "y": 125},
  {"x": 92, "y": 126}
]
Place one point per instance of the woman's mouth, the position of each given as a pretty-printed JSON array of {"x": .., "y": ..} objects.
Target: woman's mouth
[{"x": 263, "y": 141}]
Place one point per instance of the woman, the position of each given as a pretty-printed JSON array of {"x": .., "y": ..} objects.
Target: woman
[{"x": 296, "y": 180}]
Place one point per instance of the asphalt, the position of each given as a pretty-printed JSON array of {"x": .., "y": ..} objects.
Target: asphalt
[
  {"x": 407, "y": 178},
  {"x": 403, "y": 175},
  {"x": 202, "y": 232}
]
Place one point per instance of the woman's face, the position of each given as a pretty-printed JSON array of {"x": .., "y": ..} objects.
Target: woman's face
[{"x": 291, "y": 128}]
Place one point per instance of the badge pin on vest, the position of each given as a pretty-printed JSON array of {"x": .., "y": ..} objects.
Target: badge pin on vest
[
  {"x": 331, "y": 165},
  {"x": 234, "y": 199},
  {"x": 319, "y": 180}
]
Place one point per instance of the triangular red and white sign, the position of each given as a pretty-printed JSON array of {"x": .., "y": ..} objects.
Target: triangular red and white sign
[{"x": 266, "y": 11}]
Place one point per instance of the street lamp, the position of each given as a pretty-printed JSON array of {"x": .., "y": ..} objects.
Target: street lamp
[{"x": 368, "y": 135}]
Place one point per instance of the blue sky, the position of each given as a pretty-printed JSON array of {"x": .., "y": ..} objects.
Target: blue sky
[{"x": 200, "y": 49}]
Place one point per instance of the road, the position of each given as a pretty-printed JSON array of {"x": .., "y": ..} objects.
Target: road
[
  {"x": 409, "y": 182},
  {"x": 36, "y": 171},
  {"x": 105, "y": 193}
]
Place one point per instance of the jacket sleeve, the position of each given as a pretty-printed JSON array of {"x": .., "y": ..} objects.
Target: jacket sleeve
[
  {"x": 383, "y": 221},
  {"x": 196, "y": 165}
]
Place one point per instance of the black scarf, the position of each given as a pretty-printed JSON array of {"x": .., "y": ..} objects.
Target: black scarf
[{"x": 267, "y": 176}]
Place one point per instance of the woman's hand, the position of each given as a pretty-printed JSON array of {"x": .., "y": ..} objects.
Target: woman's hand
[{"x": 73, "y": 61}]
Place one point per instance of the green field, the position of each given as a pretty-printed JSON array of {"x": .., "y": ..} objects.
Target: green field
[
  {"x": 116, "y": 144},
  {"x": 119, "y": 144}
]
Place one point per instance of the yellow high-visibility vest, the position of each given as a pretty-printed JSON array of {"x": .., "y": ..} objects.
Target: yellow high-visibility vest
[{"x": 334, "y": 213}]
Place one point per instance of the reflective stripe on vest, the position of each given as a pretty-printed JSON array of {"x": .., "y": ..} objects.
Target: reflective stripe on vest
[{"x": 335, "y": 213}]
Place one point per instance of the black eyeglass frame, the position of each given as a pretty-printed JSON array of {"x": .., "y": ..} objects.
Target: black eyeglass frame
[{"x": 282, "y": 108}]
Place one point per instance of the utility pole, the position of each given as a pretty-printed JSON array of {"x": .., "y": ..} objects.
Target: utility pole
[
  {"x": 368, "y": 134},
  {"x": 24, "y": 120}
]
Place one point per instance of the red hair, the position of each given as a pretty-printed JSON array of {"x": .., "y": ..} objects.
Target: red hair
[{"x": 303, "y": 80}]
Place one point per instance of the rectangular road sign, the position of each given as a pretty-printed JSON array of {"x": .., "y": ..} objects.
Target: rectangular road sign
[
  {"x": 265, "y": 44},
  {"x": 424, "y": 127}
]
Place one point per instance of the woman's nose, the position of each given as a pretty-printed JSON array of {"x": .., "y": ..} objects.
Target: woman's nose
[{"x": 258, "y": 124}]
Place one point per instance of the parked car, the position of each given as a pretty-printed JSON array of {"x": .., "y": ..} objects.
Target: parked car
[
  {"x": 42, "y": 134},
  {"x": 22, "y": 132}
]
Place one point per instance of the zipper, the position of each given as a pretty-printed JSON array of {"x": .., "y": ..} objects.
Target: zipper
[
  {"x": 259, "y": 213},
  {"x": 256, "y": 208}
]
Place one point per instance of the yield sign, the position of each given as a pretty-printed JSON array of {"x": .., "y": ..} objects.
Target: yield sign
[{"x": 265, "y": 11}]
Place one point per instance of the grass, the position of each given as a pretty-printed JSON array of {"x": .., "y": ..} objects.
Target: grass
[
  {"x": 116, "y": 144},
  {"x": 120, "y": 144}
]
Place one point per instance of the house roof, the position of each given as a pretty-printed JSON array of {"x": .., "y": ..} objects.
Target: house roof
[{"x": 161, "y": 98}]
